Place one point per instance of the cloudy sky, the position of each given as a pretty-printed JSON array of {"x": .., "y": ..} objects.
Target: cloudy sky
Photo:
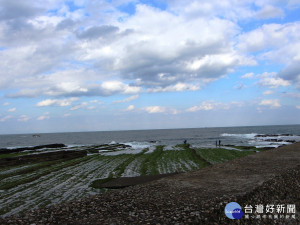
[{"x": 139, "y": 64}]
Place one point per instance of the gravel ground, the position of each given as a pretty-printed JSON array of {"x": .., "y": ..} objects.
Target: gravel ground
[{"x": 198, "y": 197}]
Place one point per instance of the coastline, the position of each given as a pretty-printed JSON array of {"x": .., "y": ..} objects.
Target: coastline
[
  {"x": 193, "y": 197},
  {"x": 199, "y": 137}
]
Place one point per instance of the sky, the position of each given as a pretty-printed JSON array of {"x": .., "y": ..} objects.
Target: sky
[{"x": 139, "y": 64}]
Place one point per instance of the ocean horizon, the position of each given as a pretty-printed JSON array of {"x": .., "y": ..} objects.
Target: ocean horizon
[
  {"x": 198, "y": 137},
  {"x": 146, "y": 129}
]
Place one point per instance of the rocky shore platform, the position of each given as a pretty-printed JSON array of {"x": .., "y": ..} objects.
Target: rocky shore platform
[
  {"x": 267, "y": 178},
  {"x": 41, "y": 157},
  {"x": 21, "y": 149}
]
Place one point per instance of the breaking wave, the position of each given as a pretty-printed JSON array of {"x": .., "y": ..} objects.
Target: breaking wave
[
  {"x": 247, "y": 136},
  {"x": 265, "y": 140}
]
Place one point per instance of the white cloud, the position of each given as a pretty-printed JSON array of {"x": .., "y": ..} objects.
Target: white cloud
[
  {"x": 272, "y": 80},
  {"x": 248, "y": 76},
  {"x": 273, "y": 103},
  {"x": 6, "y": 103},
  {"x": 193, "y": 109},
  {"x": 174, "y": 111},
  {"x": 155, "y": 109},
  {"x": 298, "y": 106},
  {"x": 204, "y": 106},
  {"x": 3, "y": 119},
  {"x": 179, "y": 87},
  {"x": 129, "y": 99},
  {"x": 229, "y": 9},
  {"x": 291, "y": 73},
  {"x": 270, "y": 11},
  {"x": 273, "y": 37},
  {"x": 80, "y": 106},
  {"x": 160, "y": 109},
  {"x": 12, "y": 109},
  {"x": 67, "y": 53},
  {"x": 56, "y": 102},
  {"x": 45, "y": 116},
  {"x": 130, "y": 108},
  {"x": 276, "y": 43},
  {"x": 95, "y": 101},
  {"x": 23, "y": 118},
  {"x": 268, "y": 92},
  {"x": 112, "y": 87},
  {"x": 167, "y": 49},
  {"x": 59, "y": 83},
  {"x": 212, "y": 105}
]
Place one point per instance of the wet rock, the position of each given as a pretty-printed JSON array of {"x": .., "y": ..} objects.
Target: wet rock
[
  {"x": 42, "y": 157},
  {"x": 6, "y": 151}
]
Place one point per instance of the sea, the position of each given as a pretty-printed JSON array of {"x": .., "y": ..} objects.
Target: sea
[{"x": 259, "y": 136}]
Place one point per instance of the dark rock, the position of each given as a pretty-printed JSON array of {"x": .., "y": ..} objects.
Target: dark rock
[
  {"x": 42, "y": 157},
  {"x": 123, "y": 182},
  {"x": 15, "y": 150}
]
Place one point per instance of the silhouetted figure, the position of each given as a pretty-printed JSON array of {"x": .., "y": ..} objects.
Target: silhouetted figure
[
  {"x": 219, "y": 142},
  {"x": 184, "y": 141}
]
